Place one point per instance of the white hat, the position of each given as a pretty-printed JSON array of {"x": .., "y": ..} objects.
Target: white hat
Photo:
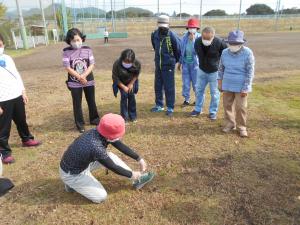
[{"x": 163, "y": 21}]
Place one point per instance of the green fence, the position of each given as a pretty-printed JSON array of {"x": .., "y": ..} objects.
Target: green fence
[{"x": 111, "y": 35}]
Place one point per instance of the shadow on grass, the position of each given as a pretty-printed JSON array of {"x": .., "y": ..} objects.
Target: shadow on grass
[
  {"x": 46, "y": 191},
  {"x": 63, "y": 120},
  {"x": 289, "y": 124},
  {"x": 244, "y": 189},
  {"x": 270, "y": 122},
  {"x": 182, "y": 127}
]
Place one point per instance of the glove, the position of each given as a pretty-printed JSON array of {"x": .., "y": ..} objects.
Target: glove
[
  {"x": 143, "y": 165},
  {"x": 136, "y": 175}
]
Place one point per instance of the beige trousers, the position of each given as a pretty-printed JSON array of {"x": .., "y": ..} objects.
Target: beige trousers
[{"x": 235, "y": 110}]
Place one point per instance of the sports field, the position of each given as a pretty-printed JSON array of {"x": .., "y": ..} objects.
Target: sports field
[{"x": 203, "y": 176}]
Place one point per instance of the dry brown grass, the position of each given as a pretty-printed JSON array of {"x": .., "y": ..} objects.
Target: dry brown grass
[{"x": 203, "y": 176}]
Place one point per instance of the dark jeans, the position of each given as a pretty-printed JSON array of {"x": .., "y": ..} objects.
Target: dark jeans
[
  {"x": 165, "y": 81},
  {"x": 106, "y": 40},
  {"x": 89, "y": 93},
  {"x": 128, "y": 105},
  {"x": 12, "y": 110}
]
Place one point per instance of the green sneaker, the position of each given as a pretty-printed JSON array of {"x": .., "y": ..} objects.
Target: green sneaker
[{"x": 144, "y": 179}]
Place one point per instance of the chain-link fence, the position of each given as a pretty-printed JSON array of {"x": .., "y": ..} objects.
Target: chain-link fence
[{"x": 93, "y": 16}]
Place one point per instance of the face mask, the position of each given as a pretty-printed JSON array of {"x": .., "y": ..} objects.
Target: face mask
[
  {"x": 126, "y": 65},
  {"x": 234, "y": 48},
  {"x": 76, "y": 45},
  {"x": 1, "y": 51},
  {"x": 163, "y": 30},
  {"x": 192, "y": 30},
  {"x": 207, "y": 42}
]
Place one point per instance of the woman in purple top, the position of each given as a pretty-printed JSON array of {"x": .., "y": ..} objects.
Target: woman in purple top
[{"x": 79, "y": 62}]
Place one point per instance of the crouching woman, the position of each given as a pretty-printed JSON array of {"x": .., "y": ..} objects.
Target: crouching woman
[{"x": 89, "y": 152}]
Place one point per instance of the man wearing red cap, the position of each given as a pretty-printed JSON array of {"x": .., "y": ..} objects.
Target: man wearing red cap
[
  {"x": 189, "y": 60},
  {"x": 89, "y": 152}
]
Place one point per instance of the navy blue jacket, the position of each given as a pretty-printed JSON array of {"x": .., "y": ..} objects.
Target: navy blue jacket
[{"x": 167, "y": 49}]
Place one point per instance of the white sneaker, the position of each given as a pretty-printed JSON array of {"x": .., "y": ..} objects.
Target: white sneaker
[
  {"x": 243, "y": 133},
  {"x": 227, "y": 129}
]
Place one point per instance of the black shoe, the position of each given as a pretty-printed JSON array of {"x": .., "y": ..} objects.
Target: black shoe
[
  {"x": 95, "y": 121},
  {"x": 212, "y": 116},
  {"x": 5, "y": 186},
  {"x": 133, "y": 120},
  {"x": 185, "y": 103},
  {"x": 81, "y": 129},
  {"x": 169, "y": 113}
]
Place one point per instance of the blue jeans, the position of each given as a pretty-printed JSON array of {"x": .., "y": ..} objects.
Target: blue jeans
[
  {"x": 202, "y": 80},
  {"x": 128, "y": 105},
  {"x": 165, "y": 81},
  {"x": 189, "y": 75}
]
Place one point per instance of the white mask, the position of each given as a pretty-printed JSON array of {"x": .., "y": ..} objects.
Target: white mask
[
  {"x": 1, "y": 51},
  {"x": 207, "y": 42},
  {"x": 192, "y": 30},
  {"x": 127, "y": 65},
  {"x": 234, "y": 48},
  {"x": 76, "y": 45}
]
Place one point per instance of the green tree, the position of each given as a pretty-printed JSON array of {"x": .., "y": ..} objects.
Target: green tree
[
  {"x": 60, "y": 18},
  {"x": 2, "y": 10},
  {"x": 216, "y": 12},
  {"x": 290, "y": 11},
  {"x": 183, "y": 15},
  {"x": 259, "y": 9}
]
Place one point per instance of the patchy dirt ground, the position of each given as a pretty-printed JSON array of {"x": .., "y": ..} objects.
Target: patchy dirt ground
[{"x": 203, "y": 176}]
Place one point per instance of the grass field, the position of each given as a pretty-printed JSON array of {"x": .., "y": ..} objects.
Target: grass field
[{"x": 203, "y": 176}]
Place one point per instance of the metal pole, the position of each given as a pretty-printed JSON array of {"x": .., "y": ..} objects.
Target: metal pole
[
  {"x": 22, "y": 26},
  {"x": 104, "y": 8},
  {"x": 115, "y": 16},
  {"x": 240, "y": 12},
  {"x": 125, "y": 19},
  {"x": 44, "y": 23},
  {"x": 277, "y": 14},
  {"x": 200, "y": 15},
  {"x": 74, "y": 14},
  {"x": 64, "y": 16},
  {"x": 158, "y": 7},
  {"x": 112, "y": 16},
  {"x": 54, "y": 12},
  {"x": 98, "y": 10},
  {"x": 91, "y": 10},
  {"x": 180, "y": 10}
]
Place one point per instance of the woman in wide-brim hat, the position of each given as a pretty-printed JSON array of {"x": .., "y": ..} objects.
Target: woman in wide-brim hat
[{"x": 236, "y": 72}]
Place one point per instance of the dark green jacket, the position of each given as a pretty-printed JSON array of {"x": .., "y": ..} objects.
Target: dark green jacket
[{"x": 123, "y": 75}]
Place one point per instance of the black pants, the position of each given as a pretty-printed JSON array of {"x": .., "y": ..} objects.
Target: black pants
[
  {"x": 128, "y": 105},
  {"x": 106, "y": 40},
  {"x": 89, "y": 93},
  {"x": 12, "y": 110}
]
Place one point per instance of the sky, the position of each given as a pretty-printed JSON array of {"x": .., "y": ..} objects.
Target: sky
[{"x": 168, "y": 6}]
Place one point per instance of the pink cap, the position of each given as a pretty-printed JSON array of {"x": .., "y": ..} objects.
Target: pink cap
[{"x": 111, "y": 126}]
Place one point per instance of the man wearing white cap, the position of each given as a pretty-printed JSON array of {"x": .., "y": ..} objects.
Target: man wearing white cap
[{"x": 166, "y": 45}]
